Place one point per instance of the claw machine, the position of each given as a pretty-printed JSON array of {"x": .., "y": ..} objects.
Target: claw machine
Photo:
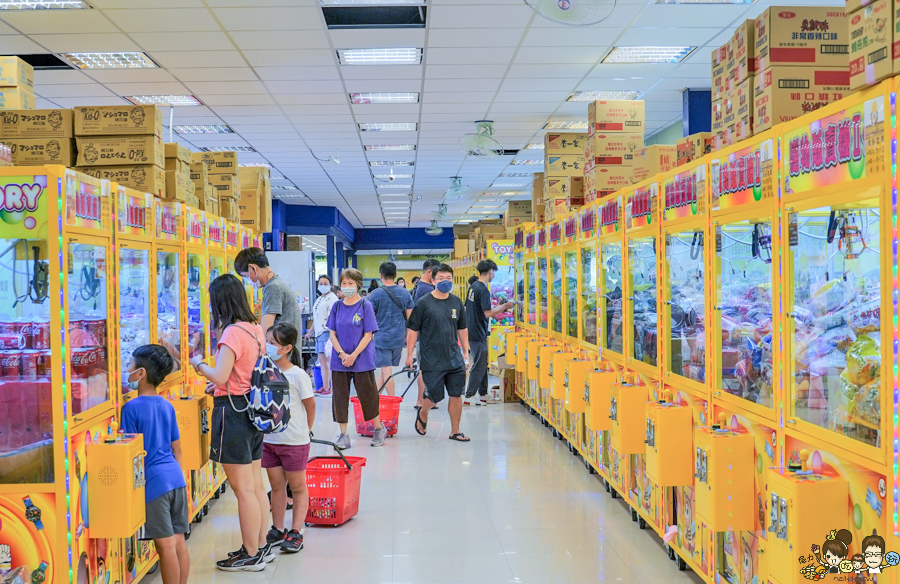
[
  {"x": 569, "y": 292},
  {"x": 555, "y": 314},
  {"x": 197, "y": 292},
  {"x": 542, "y": 273},
  {"x": 169, "y": 283},
  {"x": 218, "y": 266},
  {"x": 611, "y": 281},
  {"x": 530, "y": 275},
  {"x": 840, "y": 312},
  {"x": 56, "y": 398},
  {"x": 254, "y": 295},
  {"x": 132, "y": 276},
  {"x": 586, "y": 269},
  {"x": 502, "y": 289}
]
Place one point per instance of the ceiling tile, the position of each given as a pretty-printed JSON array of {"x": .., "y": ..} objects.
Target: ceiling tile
[
  {"x": 271, "y": 18},
  {"x": 377, "y": 38},
  {"x": 298, "y": 58},
  {"x": 328, "y": 73},
  {"x": 183, "y": 41},
  {"x": 163, "y": 20},
  {"x": 479, "y": 16},
  {"x": 192, "y": 59},
  {"x": 280, "y": 39},
  {"x": 305, "y": 86},
  {"x": 221, "y": 74},
  {"x": 58, "y": 21}
]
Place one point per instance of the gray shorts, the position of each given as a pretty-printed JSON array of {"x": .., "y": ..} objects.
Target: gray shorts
[
  {"x": 387, "y": 357},
  {"x": 167, "y": 515}
]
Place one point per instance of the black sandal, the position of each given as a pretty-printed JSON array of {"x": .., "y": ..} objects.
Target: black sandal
[
  {"x": 460, "y": 437},
  {"x": 424, "y": 425}
]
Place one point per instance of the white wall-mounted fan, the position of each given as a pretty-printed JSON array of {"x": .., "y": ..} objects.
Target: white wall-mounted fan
[
  {"x": 481, "y": 143},
  {"x": 458, "y": 191},
  {"x": 573, "y": 12},
  {"x": 434, "y": 229}
]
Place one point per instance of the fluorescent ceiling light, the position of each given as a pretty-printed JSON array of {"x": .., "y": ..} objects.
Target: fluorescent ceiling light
[
  {"x": 391, "y": 163},
  {"x": 517, "y": 162},
  {"x": 393, "y": 186},
  {"x": 408, "y": 56},
  {"x": 362, "y": 98},
  {"x": 498, "y": 201},
  {"x": 164, "y": 100},
  {"x": 507, "y": 193},
  {"x": 647, "y": 54},
  {"x": 566, "y": 125},
  {"x": 386, "y": 195},
  {"x": 387, "y": 176},
  {"x": 256, "y": 164},
  {"x": 371, "y": 2},
  {"x": 371, "y": 147},
  {"x": 535, "y": 146},
  {"x": 36, "y": 5},
  {"x": 285, "y": 188},
  {"x": 705, "y": 1},
  {"x": 506, "y": 185},
  {"x": 388, "y": 127},
  {"x": 211, "y": 129},
  {"x": 595, "y": 95},
  {"x": 109, "y": 60},
  {"x": 485, "y": 206},
  {"x": 518, "y": 174},
  {"x": 227, "y": 149}
]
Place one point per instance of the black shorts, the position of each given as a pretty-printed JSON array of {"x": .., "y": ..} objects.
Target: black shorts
[
  {"x": 437, "y": 381},
  {"x": 233, "y": 439}
]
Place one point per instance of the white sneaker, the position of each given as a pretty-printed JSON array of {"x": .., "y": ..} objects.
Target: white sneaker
[
  {"x": 493, "y": 400},
  {"x": 482, "y": 400},
  {"x": 467, "y": 401}
]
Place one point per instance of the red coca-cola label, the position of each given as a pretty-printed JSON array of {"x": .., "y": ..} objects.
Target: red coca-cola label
[
  {"x": 30, "y": 364},
  {"x": 40, "y": 335},
  {"x": 10, "y": 363},
  {"x": 11, "y": 342}
]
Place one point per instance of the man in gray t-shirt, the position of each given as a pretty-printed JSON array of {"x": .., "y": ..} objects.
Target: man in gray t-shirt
[
  {"x": 392, "y": 305},
  {"x": 279, "y": 303}
]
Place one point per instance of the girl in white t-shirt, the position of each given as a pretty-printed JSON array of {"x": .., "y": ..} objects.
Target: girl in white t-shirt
[{"x": 285, "y": 454}]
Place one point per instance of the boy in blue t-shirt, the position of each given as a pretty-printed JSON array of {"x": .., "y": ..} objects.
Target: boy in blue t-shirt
[{"x": 153, "y": 416}]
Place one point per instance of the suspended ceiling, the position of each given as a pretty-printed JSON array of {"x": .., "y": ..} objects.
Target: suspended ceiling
[{"x": 269, "y": 70}]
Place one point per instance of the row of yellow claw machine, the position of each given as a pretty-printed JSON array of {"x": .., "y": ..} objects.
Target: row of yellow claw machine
[
  {"x": 720, "y": 344},
  {"x": 88, "y": 272}
]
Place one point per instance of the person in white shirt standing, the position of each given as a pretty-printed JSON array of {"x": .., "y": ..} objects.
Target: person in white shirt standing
[
  {"x": 321, "y": 310},
  {"x": 286, "y": 453}
]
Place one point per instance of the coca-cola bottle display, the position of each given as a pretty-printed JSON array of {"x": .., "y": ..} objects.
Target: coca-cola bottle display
[
  {"x": 134, "y": 304},
  {"x": 87, "y": 327},
  {"x": 168, "y": 304},
  {"x": 26, "y": 394},
  {"x": 196, "y": 310}
]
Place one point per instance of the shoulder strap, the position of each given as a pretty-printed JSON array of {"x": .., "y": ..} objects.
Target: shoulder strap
[
  {"x": 396, "y": 300},
  {"x": 259, "y": 352}
]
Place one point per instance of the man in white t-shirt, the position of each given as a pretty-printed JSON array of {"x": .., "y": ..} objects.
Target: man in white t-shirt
[{"x": 321, "y": 309}]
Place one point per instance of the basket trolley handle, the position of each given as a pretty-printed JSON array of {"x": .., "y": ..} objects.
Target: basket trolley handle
[{"x": 336, "y": 449}]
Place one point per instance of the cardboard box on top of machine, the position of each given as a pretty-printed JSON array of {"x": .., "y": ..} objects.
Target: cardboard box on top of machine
[
  {"x": 146, "y": 178},
  {"x": 217, "y": 162},
  {"x": 14, "y": 72},
  {"x": 652, "y": 160},
  {"x": 515, "y": 220},
  {"x": 537, "y": 194},
  {"x": 613, "y": 178},
  {"x": 178, "y": 186},
  {"x": 560, "y": 187},
  {"x": 564, "y": 164},
  {"x": 693, "y": 147},
  {"x": 47, "y": 123},
  {"x": 719, "y": 72},
  {"x": 265, "y": 213},
  {"x": 226, "y": 185},
  {"x": 871, "y": 43},
  {"x": 718, "y": 115},
  {"x": 807, "y": 36},
  {"x": 120, "y": 150},
  {"x": 741, "y": 52},
  {"x": 463, "y": 231},
  {"x": 742, "y": 107},
  {"x": 40, "y": 151},
  {"x": 178, "y": 158},
  {"x": 252, "y": 197},
  {"x": 784, "y": 93},
  {"x": 564, "y": 143},
  {"x": 229, "y": 210},
  {"x": 607, "y": 116},
  {"x": 118, "y": 120},
  {"x": 199, "y": 175},
  {"x": 518, "y": 209},
  {"x": 17, "y": 98},
  {"x": 616, "y": 149}
]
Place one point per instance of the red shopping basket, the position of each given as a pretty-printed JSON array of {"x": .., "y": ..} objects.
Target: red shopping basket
[
  {"x": 333, "y": 483},
  {"x": 388, "y": 409}
]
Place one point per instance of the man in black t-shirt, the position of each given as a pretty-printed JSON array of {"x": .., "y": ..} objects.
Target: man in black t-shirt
[
  {"x": 437, "y": 322},
  {"x": 478, "y": 315},
  {"x": 423, "y": 287}
]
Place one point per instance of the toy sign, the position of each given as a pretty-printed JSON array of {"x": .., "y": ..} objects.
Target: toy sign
[{"x": 23, "y": 206}]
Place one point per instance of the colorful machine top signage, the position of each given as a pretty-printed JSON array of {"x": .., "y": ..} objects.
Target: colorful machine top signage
[
  {"x": 134, "y": 212},
  {"x": 685, "y": 194},
  {"x": 744, "y": 177},
  {"x": 640, "y": 210}
]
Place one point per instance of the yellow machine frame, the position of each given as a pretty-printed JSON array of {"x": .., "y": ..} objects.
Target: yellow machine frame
[{"x": 169, "y": 238}]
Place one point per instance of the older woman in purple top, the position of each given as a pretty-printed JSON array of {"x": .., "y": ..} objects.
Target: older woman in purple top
[{"x": 352, "y": 324}]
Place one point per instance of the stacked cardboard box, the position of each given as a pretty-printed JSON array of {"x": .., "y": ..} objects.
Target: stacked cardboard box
[
  {"x": 537, "y": 198},
  {"x": 616, "y": 137},
  {"x": 38, "y": 137},
  {"x": 874, "y": 28},
  {"x": 256, "y": 198},
  {"x": 123, "y": 144},
  {"x": 693, "y": 147},
  {"x": 222, "y": 169},
  {"x": 461, "y": 236},
  {"x": 563, "y": 173},
  {"x": 802, "y": 62},
  {"x": 517, "y": 213},
  {"x": 16, "y": 84},
  {"x": 732, "y": 104},
  {"x": 654, "y": 160},
  {"x": 179, "y": 186},
  {"x": 207, "y": 197},
  {"x": 486, "y": 231}
]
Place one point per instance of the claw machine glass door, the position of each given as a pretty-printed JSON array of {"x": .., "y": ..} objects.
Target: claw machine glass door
[
  {"x": 168, "y": 272},
  {"x": 610, "y": 278},
  {"x": 543, "y": 274},
  {"x": 642, "y": 303},
  {"x": 519, "y": 251},
  {"x": 136, "y": 313},
  {"x": 839, "y": 291},
  {"x": 197, "y": 291},
  {"x": 215, "y": 243},
  {"x": 684, "y": 198},
  {"x": 570, "y": 294},
  {"x": 531, "y": 275},
  {"x": 743, "y": 246},
  {"x": 587, "y": 280},
  {"x": 555, "y": 267}
]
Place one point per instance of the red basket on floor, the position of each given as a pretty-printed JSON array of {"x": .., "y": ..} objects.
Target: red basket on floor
[
  {"x": 333, "y": 489},
  {"x": 388, "y": 409}
]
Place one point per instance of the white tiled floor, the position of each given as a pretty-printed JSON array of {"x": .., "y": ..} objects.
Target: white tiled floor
[{"x": 511, "y": 506}]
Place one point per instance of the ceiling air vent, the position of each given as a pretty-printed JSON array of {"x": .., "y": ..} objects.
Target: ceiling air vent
[
  {"x": 45, "y": 61},
  {"x": 374, "y": 17}
]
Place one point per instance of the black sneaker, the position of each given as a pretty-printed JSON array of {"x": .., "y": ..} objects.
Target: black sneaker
[
  {"x": 275, "y": 535},
  {"x": 242, "y": 562},
  {"x": 293, "y": 542},
  {"x": 266, "y": 551}
]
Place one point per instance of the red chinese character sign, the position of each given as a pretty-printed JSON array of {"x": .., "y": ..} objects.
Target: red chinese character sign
[
  {"x": 87, "y": 201},
  {"x": 609, "y": 213},
  {"x": 844, "y": 146},
  {"x": 684, "y": 194},
  {"x": 640, "y": 210},
  {"x": 134, "y": 210},
  {"x": 743, "y": 176},
  {"x": 168, "y": 219}
]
